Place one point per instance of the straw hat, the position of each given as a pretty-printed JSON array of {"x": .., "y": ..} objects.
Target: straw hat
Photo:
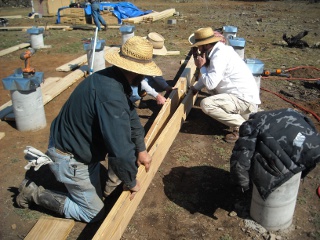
[
  {"x": 203, "y": 36},
  {"x": 157, "y": 41},
  {"x": 135, "y": 55}
]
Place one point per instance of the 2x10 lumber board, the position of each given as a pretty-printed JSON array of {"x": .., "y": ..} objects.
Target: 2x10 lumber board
[
  {"x": 14, "y": 48},
  {"x": 120, "y": 215},
  {"x": 61, "y": 85},
  {"x": 50, "y": 228},
  {"x": 24, "y": 28},
  {"x": 172, "y": 103}
]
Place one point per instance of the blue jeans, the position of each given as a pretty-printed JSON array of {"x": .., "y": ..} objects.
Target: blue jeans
[
  {"x": 95, "y": 11},
  {"x": 84, "y": 201}
]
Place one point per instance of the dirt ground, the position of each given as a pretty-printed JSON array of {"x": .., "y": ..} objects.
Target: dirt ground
[{"x": 190, "y": 197}]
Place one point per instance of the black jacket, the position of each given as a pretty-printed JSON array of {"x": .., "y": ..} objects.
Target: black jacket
[
  {"x": 98, "y": 120},
  {"x": 272, "y": 147}
]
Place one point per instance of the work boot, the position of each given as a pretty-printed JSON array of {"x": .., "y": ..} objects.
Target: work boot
[
  {"x": 105, "y": 27},
  {"x": 233, "y": 136},
  {"x": 140, "y": 104},
  {"x": 26, "y": 190},
  {"x": 31, "y": 193}
]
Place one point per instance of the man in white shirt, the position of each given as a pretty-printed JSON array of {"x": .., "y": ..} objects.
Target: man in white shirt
[
  {"x": 226, "y": 76},
  {"x": 152, "y": 86}
]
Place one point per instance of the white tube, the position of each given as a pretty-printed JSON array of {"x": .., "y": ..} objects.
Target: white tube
[{"x": 94, "y": 50}]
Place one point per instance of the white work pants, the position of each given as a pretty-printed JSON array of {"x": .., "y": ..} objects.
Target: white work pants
[{"x": 227, "y": 109}]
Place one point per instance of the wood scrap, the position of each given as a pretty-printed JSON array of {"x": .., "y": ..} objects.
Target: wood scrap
[
  {"x": 295, "y": 41},
  {"x": 14, "y": 48},
  {"x": 2, "y": 134},
  {"x": 170, "y": 53},
  {"x": 12, "y": 17},
  {"x": 51, "y": 228}
]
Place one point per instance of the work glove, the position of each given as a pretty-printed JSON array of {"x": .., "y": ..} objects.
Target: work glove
[{"x": 36, "y": 158}]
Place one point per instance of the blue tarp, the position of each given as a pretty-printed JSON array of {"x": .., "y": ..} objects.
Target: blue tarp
[{"x": 121, "y": 10}]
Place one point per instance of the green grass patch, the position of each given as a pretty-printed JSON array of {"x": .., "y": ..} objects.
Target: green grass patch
[{"x": 27, "y": 214}]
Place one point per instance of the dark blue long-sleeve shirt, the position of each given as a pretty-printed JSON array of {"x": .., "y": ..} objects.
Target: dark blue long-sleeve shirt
[{"x": 98, "y": 120}]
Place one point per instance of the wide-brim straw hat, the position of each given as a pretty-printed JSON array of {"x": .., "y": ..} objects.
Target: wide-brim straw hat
[
  {"x": 203, "y": 36},
  {"x": 157, "y": 41},
  {"x": 135, "y": 55}
]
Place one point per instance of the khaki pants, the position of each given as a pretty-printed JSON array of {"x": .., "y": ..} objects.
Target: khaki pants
[
  {"x": 112, "y": 182},
  {"x": 227, "y": 109}
]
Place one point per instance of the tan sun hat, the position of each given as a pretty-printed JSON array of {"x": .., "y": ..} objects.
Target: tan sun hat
[
  {"x": 135, "y": 55},
  {"x": 157, "y": 41},
  {"x": 203, "y": 36}
]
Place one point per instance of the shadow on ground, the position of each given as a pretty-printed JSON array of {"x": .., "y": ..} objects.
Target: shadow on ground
[{"x": 202, "y": 189}]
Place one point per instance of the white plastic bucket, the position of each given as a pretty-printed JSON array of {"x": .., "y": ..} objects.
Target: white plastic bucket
[
  {"x": 28, "y": 109},
  {"x": 37, "y": 41},
  {"x": 229, "y": 32},
  {"x": 276, "y": 212},
  {"x": 240, "y": 51},
  {"x": 99, "y": 61},
  {"x": 126, "y": 36},
  {"x": 258, "y": 81}
]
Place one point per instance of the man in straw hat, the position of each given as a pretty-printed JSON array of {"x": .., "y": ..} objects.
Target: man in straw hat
[
  {"x": 152, "y": 85},
  {"x": 226, "y": 76},
  {"x": 98, "y": 120}
]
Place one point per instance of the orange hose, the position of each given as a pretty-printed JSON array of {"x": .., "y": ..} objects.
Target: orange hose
[
  {"x": 290, "y": 78},
  {"x": 293, "y": 103}
]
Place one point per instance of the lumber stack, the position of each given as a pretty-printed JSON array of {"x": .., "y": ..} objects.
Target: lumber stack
[
  {"x": 151, "y": 17},
  {"x": 110, "y": 18},
  {"x": 73, "y": 16}
]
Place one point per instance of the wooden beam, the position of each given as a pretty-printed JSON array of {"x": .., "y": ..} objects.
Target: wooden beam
[
  {"x": 25, "y": 28},
  {"x": 171, "y": 104},
  {"x": 121, "y": 213},
  {"x": 50, "y": 228},
  {"x": 14, "y": 48}
]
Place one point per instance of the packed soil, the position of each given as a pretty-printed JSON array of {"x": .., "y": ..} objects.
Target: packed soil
[{"x": 191, "y": 196}]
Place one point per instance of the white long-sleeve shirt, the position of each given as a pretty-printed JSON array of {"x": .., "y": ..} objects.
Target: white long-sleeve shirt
[
  {"x": 228, "y": 73},
  {"x": 149, "y": 81}
]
